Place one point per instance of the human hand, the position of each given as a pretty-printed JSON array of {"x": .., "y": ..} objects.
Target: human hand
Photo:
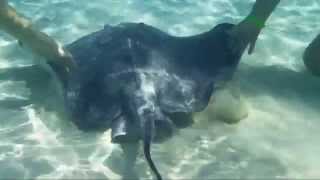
[
  {"x": 54, "y": 51},
  {"x": 67, "y": 60},
  {"x": 245, "y": 34}
]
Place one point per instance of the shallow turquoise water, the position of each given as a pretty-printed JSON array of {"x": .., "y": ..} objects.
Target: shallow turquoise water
[{"x": 280, "y": 137}]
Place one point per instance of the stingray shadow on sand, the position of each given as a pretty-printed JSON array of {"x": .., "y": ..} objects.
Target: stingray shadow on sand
[{"x": 285, "y": 84}]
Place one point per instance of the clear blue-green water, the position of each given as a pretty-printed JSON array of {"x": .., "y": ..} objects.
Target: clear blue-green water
[{"x": 279, "y": 138}]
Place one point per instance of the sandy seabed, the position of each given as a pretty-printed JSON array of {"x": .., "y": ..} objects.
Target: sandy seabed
[{"x": 279, "y": 138}]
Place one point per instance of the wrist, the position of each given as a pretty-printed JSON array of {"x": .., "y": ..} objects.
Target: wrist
[{"x": 257, "y": 21}]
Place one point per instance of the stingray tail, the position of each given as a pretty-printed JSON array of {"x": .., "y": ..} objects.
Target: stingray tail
[{"x": 148, "y": 134}]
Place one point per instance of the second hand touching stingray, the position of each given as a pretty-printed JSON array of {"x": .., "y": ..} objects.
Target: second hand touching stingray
[{"x": 143, "y": 83}]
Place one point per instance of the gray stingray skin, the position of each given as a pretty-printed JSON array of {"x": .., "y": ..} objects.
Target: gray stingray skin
[{"x": 133, "y": 78}]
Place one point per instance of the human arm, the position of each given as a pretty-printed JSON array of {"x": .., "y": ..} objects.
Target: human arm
[
  {"x": 247, "y": 31},
  {"x": 39, "y": 42}
]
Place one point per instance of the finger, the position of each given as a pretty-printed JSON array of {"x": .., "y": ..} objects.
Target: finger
[
  {"x": 252, "y": 46},
  {"x": 69, "y": 63},
  {"x": 238, "y": 45}
]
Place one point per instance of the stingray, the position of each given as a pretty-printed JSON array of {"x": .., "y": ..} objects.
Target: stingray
[{"x": 143, "y": 83}]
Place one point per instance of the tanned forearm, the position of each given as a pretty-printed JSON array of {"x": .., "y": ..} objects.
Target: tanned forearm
[
  {"x": 22, "y": 29},
  {"x": 262, "y": 9},
  {"x": 40, "y": 43}
]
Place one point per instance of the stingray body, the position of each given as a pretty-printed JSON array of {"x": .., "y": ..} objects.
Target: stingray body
[{"x": 136, "y": 80}]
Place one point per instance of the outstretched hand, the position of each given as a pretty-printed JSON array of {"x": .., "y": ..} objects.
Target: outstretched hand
[
  {"x": 66, "y": 59},
  {"x": 245, "y": 34},
  {"x": 52, "y": 50}
]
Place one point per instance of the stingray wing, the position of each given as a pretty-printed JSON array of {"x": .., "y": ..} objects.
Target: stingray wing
[
  {"x": 92, "y": 90},
  {"x": 196, "y": 65}
]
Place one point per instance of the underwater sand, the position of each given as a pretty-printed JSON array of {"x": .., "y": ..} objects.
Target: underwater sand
[{"x": 279, "y": 138}]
